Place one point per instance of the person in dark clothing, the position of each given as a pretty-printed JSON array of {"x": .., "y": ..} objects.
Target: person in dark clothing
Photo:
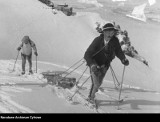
[
  {"x": 26, "y": 53},
  {"x": 99, "y": 55}
]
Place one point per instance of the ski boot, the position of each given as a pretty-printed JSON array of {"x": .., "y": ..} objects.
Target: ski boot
[
  {"x": 30, "y": 72},
  {"x": 23, "y": 72},
  {"x": 91, "y": 103}
]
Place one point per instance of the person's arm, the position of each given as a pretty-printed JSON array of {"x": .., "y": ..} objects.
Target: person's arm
[
  {"x": 119, "y": 53},
  {"x": 92, "y": 49},
  {"x": 33, "y": 45},
  {"x": 19, "y": 47}
]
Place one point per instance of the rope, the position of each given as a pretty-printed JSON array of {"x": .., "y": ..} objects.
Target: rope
[
  {"x": 72, "y": 66},
  {"x": 99, "y": 50},
  {"x": 81, "y": 75},
  {"x": 79, "y": 88},
  {"x": 114, "y": 77},
  {"x": 72, "y": 71}
]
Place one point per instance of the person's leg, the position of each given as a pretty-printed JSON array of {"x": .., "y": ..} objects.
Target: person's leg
[
  {"x": 23, "y": 63},
  {"x": 29, "y": 58},
  {"x": 103, "y": 72},
  {"x": 97, "y": 78},
  {"x": 92, "y": 84}
]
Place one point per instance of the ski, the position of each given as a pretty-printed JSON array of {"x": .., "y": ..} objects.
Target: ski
[
  {"x": 113, "y": 98},
  {"x": 93, "y": 106},
  {"x": 80, "y": 98}
]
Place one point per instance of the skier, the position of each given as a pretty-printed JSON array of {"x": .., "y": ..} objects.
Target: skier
[
  {"x": 99, "y": 55},
  {"x": 26, "y": 53}
]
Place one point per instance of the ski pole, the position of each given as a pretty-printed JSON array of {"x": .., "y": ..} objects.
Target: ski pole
[
  {"x": 36, "y": 64},
  {"x": 15, "y": 61},
  {"x": 70, "y": 98},
  {"x": 121, "y": 87}
]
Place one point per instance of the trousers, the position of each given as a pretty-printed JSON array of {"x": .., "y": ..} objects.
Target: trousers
[
  {"x": 29, "y": 58},
  {"x": 97, "y": 79}
]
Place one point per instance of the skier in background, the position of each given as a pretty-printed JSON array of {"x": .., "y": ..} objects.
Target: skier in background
[{"x": 26, "y": 53}]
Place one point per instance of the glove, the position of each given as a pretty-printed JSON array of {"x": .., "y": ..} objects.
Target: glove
[
  {"x": 36, "y": 53},
  {"x": 19, "y": 48},
  {"x": 125, "y": 62},
  {"x": 145, "y": 62},
  {"x": 94, "y": 68}
]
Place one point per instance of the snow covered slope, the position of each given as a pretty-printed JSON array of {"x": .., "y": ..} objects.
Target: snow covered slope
[{"x": 62, "y": 40}]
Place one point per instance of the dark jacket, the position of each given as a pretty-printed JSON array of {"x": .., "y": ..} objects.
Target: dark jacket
[{"x": 106, "y": 55}]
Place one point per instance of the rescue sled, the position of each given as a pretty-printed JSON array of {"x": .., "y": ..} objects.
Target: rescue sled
[{"x": 56, "y": 78}]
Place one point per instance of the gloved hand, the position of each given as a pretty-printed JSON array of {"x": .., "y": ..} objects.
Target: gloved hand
[
  {"x": 125, "y": 62},
  {"x": 36, "y": 53},
  {"x": 19, "y": 48},
  {"x": 145, "y": 62},
  {"x": 94, "y": 68}
]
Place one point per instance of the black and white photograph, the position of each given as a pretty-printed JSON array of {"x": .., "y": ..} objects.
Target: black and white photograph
[{"x": 79, "y": 57}]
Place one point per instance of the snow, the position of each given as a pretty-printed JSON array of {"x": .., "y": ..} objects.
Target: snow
[
  {"x": 151, "y": 2},
  {"x": 118, "y": 0},
  {"x": 91, "y": 2},
  {"x": 61, "y": 41}
]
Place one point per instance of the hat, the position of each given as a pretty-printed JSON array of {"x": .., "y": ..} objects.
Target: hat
[
  {"x": 109, "y": 26},
  {"x": 25, "y": 39}
]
